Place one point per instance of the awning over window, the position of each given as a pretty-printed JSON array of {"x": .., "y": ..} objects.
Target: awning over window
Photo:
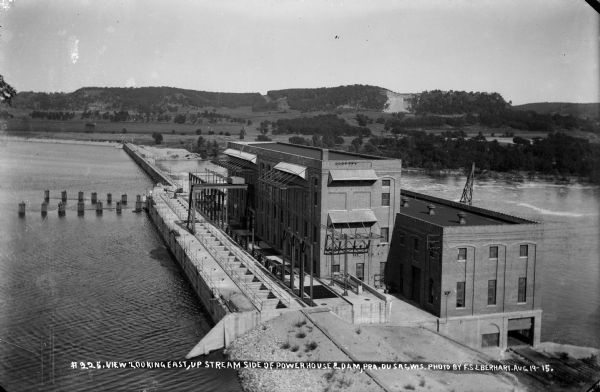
[
  {"x": 353, "y": 175},
  {"x": 344, "y": 218},
  {"x": 239, "y": 154},
  {"x": 298, "y": 170}
]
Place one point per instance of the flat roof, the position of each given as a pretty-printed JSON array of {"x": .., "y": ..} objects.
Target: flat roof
[
  {"x": 446, "y": 212},
  {"x": 313, "y": 152}
]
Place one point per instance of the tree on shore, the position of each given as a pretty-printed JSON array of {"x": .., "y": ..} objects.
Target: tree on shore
[
  {"x": 158, "y": 137},
  {"x": 7, "y": 92}
]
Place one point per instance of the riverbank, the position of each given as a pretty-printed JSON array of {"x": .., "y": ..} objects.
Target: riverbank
[{"x": 104, "y": 143}]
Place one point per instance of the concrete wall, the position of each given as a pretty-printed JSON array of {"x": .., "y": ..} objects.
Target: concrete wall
[
  {"x": 215, "y": 306},
  {"x": 469, "y": 330},
  {"x": 153, "y": 172}
]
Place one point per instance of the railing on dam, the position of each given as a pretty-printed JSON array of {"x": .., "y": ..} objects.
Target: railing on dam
[{"x": 221, "y": 249}]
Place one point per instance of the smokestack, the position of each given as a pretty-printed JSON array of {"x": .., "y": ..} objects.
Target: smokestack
[
  {"x": 462, "y": 218},
  {"x": 431, "y": 209},
  {"x": 404, "y": 202}
]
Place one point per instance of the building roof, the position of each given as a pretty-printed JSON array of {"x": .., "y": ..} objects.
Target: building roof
[
  {"x": 446, "y": 212},
  {"x": 312, "y": 152}
]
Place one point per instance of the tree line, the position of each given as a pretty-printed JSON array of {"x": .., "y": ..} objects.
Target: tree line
[{"x": 557, "y": 154}]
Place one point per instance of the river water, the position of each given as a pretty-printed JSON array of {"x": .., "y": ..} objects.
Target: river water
[{"x": 92, "y": 288}]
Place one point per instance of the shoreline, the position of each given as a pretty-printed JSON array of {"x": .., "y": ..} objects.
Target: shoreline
[{"x": 6, "y": 138}]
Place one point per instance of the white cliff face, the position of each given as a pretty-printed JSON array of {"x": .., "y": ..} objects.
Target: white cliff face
[{"x": 397, "y": 102}]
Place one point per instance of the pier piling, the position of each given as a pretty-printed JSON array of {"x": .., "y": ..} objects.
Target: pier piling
[
  {"x": 80, "y": 197},
  {"x": 124, "y": 199},
  {"x": 46, "y": 195},
  {"x": 109, "y": 198},
  {"x": 61, "y": 208},
  {"x": 94, "y": 197},
  {"x": 80, "y": 208},
  {"x": 99, "y": 208},
  {"x": 118, "y": 207},
  {"x": 44, "y": 208},
  {"x": 63, "y": 196},
  {"x": 22, "y": 209}
]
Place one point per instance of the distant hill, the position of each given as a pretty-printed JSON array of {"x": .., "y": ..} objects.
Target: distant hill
[
  {"x": 161, "y": 99},
  {"x": 581, "y": 110}
]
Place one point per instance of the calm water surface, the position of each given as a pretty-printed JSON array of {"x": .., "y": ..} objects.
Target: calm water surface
[{"x": 92, "y": 288}]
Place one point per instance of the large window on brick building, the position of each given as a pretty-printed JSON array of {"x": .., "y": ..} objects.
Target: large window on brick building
[
  {"x": 491, "y": 292},
  {"x": 460, "y": 294},
  {"x": 493, "y": 252},
  {"x": 522, "y": 295},
  {"x": 462, "y": 254},
  {"x": 523, "y": 251},
  {"x": 385, "y": 182},
  {"x": 385, "y": 234},
  {"x": 430, "y": 291},
  {"x": 385, "y": 199},
  {"x": 360, "y": 271}
]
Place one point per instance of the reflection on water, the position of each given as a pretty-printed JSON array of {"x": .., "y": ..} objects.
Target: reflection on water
[
  {"x": 571, "y": 249},
  {"x": 92, "y": 288}
]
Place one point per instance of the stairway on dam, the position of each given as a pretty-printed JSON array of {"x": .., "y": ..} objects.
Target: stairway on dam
[{"x": 250, "y": 277}]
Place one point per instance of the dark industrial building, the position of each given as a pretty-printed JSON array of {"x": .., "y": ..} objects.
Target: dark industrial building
[
  {"x": 476, "y": 270},
  {"x": 338, "y": 206}
]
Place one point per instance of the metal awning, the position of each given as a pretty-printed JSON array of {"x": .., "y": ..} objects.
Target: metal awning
[
  {"x": 279, "y": 179},
  {"x": 231, "y": 166},
  {"x": 240, "y": 154},
  {"x": 347, "y": 218},
  {"x": 298, "y": 170},
  {"x": 353, "y": 175}
]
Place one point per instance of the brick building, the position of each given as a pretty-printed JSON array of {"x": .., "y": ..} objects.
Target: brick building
[
  {"x": 308, "y": 194},
  {"x": 476, "y": 270}
]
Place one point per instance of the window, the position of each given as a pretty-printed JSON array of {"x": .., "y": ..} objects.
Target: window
[
  {"x": 402, "y": 239},
  {"x": 493, "y": 252},
  {"x": 360, "y": 271},
  {"x": 385, "y": 182},
  {"x": 385, "y": 233},
  {"x": 416, "y": 244},
  {"x": 462, "y": 254},
  {"x": 491, "y": 292},
  {"x": 316, "y": 199},
  {"x": 523, "y": 251},
  {"x": 460, "y": 294},
  {"x": 385, "y": 199},
  {"x": 490, "y": 340},
  {"x": 335, "y": 268},
  {"x": 522, "y": 296},
  {"x": 430, "y": 297}
]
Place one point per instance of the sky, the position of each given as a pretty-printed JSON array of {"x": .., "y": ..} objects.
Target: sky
[{"x": 527, "y": 50}]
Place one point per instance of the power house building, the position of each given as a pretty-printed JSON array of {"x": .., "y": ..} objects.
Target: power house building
[
  {"x": 477, "y": 270},
  {"x": 337, "y": 206}
]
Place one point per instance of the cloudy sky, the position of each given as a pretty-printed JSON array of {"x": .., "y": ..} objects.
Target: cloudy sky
[{"x": 533, "y": 50}]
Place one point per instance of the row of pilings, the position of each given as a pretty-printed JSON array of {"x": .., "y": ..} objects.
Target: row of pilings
[{"x": 98, "y": 205}]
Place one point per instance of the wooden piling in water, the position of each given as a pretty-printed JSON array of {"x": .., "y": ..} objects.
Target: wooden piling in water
[
  {"x": 46, "y": 195},
  {"x": 94, "y": 197},
  {"x": 44, "y": 208},
  {"x": 22, "y": 209},
  {"x": 109, "y": 198},
  {"x": 63, "y": 196},
  {"x": 61, "y": 208},
  {"x": 80, "y": 208},
  {"x": 124, "y": 199},
  {"x": 80, "y": 197},
  {"x": 99, "y": 208},
  {"x": 118, "y": 207}
]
